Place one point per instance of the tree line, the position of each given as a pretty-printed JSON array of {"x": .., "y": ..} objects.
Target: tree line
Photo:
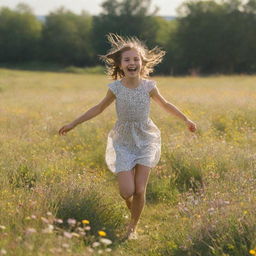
[{"x": 207, "y": 37}]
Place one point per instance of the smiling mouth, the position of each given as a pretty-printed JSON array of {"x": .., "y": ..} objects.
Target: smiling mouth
[{"x": 132, "y": 69}]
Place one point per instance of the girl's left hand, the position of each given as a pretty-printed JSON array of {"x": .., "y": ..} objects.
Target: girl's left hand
[{"x": 191, "y": 125}]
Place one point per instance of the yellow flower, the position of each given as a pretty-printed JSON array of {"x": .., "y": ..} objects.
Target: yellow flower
[
  {"x": 252, "y": 252},
  {"x": 85, "y": 221},
  {"x": 102, "y": 233}
]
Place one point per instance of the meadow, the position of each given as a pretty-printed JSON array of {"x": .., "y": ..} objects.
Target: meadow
[{"x": 57, "y": 196}]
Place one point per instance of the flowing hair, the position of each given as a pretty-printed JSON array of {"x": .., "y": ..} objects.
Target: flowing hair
[{"x": 112, "y": 60}]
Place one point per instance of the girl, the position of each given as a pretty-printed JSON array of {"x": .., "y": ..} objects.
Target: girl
[{"x": 134, "y": 144}]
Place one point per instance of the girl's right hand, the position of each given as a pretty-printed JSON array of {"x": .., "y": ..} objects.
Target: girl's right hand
[
  {"x": 191, "y": 125},
  {"x": 66, "y": 128}
]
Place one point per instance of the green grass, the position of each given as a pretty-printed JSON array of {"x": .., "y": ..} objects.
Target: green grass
[{"x": 200, "y": 198}]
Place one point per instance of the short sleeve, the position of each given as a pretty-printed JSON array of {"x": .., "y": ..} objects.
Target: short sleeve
[
  {"x": 113, "y": 87},
  {"x": 151, "y": 85}
]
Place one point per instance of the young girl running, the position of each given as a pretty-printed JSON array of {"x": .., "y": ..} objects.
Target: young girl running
[{"x": 134, "y": 144}]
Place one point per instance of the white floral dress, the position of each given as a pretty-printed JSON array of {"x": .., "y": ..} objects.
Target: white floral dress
[{"x": 134, "y": 139}]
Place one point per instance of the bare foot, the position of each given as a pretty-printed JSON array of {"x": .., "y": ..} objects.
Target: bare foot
[
  {"x": 133, "y": 236},
  {"x": 131, "y": 232}
]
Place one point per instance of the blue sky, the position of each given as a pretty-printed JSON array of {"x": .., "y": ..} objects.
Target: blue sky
[{"x": 42, "y": 7}]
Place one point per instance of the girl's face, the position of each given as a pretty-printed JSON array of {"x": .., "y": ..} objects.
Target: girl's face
[{"x": 131, "y": 63}]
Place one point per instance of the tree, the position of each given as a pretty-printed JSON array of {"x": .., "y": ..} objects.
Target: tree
[
  {"x": 126, "y": 18},
  {"x": 66, "y": 38},
  {"x": 214, "y": 37},
  {"x": 19, "y": 34}
]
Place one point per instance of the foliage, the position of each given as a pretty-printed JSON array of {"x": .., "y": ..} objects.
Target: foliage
[
  {"x": 215, "y": 38},
  {"x": 207, "y": 37},
  {"x": 66, "y": 38},
  {"x": 127, "y": 17},
  {"x": 20, "y": 34}
]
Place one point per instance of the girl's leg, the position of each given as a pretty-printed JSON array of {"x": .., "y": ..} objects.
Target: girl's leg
[
  {"x": 126, "y": 186},
  {"x": 141, "y": 179}
]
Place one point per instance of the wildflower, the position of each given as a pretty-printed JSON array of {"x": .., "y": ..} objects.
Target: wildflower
[
  {"x": 45, "y": 220},
  {"x": 59, "y": 221},
  {"x": 85, "y": 221},
  {"x": 67, "y": 234},
  {"x": 105, "y": 241},
  {"x": 81, "y": 233},
  {"x": 3, "y": 252},
  {"x": 2, "y": 227},
  {"x": 33, "y": 217},
  {"x": 252, "y": 252},
  {"x": 102, "y": 233},
  {"x": 71, "y": 221},
  {"x": 75, "y": 234},
  {"x": 30, "y": 231},
  {"x": 87, "y": 228},
  {"x": 108, "y": 250},
  {"x": 49, "y": 229},
  {"x": 95, "y": 244}
]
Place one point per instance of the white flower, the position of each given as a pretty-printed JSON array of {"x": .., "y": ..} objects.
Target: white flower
[
  {"x": 49, "y": 229},
  {"x": 71, "y": 221},
  {"x": 95, "y": 244},
  {"x": 106, "y": 241},
  {"x": 45, "y": 220},
  {"x": 67, "y": 234},
  {"x": 59, "y": 221},
  {"x": 82, "y": 233},
  {"x": 3, "y": 252},
  {"x": 2, "y": 227}
]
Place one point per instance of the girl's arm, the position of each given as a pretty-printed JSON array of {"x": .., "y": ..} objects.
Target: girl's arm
[
  {"x": 92, "y": 112},
  {"x": 170, "y": 108}
]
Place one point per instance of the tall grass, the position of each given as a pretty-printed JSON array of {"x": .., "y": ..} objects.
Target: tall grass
[{"x": 200, "y": 197}]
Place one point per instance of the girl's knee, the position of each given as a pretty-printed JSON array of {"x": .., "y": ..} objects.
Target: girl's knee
[
  {"x": 126, "y": 195},
  {"x": 140, "y": 192}
]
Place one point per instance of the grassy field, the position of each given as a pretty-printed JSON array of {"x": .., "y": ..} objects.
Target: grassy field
[{"x": 57, "y": 193}]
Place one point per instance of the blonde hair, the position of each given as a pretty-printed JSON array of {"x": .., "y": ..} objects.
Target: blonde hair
[{"x": 150, "y": 58}]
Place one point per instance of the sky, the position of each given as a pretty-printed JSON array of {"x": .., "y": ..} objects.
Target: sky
[{"x": 43, "y": 7}]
